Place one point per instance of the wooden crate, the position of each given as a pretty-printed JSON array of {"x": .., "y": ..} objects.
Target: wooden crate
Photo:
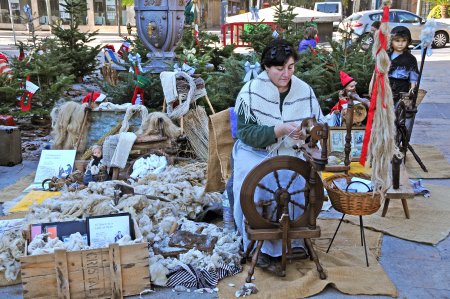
[{"x": 111, "y": 272}]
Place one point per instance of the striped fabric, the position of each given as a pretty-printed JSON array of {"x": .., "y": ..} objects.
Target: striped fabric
[{"x": 190, "y": 277}]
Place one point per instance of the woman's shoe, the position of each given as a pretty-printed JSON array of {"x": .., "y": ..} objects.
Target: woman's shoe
[
  {"x": 263, "y": 260},
  {"x": 298, "y": 253}
]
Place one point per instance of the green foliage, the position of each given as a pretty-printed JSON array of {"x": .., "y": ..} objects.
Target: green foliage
[
  {"x": 46, "y": 67},
  {"x": 435, "y": 12},
  {"x": 321, "y": 71},
  {"x": 127, "y": 2},
  {"x": 440, "y": 2},
  {"x": 207, "y": 51},
  {"x": 259, "y": 35},
  {"x": 72, "y": 43},
  {"x": 223, "y": 86},
  {"x": 9, "y": 91}
]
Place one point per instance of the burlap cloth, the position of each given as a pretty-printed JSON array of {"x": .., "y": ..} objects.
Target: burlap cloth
[
  {"x": 437, "y": 165},
  {"x": 220, "y": 145},
  {"x": 345, "y": 266},
  {"x": 429, "y": 223},
  {"x": 12, "y": 191}
]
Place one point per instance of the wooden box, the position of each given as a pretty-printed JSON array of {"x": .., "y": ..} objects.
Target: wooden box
[{"x": 111, "y": 272}]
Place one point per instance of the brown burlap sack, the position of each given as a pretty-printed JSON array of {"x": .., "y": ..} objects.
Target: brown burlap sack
[{"x": 220, "y": 144}]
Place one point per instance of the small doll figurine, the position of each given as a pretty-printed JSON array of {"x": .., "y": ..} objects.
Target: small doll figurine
[
  {"x": 95, "y": 166},
  {"x": 403, "y": 74},
  {"x": 337, "y": 113}
]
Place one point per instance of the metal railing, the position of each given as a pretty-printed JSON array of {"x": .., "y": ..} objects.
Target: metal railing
[{"x": 231, "y": 33}]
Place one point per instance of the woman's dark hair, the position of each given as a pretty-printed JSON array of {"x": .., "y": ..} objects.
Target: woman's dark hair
[
  {"x": 277, "y": 53},
  {"x": 401, "y": 32}
]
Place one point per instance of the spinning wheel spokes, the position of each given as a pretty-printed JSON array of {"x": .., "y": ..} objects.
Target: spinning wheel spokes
[
  {"x": 277, "y": 179},
  {"x": 293, "y": 177},
  {"x": 300, "y": 191},
  {"x": 265, "y": 188}
]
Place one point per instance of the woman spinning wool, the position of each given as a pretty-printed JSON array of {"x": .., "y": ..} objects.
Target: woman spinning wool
[{"x": 270, "y": 109}]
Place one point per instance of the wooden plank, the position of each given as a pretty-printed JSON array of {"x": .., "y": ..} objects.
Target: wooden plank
[
  {"x": 135, "y": 279},
  {"x": 62, "y": 274},
  {"x": 94, "y": 278},
  {"x": 116, "y": 271},
  {"x": 37, "y": 265},
  {"x": 150, "y": 138},
  {"x": 4, "y": 282},
  {"x": 77, "y": 286},
  {"x": 39, "y": 286},
  {"x": 135, "y": 253},
  {"x": 75, "y": 259}
]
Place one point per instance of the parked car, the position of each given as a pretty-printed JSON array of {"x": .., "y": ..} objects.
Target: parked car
[
  {"x": 334, "y": 8},
  {"x": 359, "y": 24}
]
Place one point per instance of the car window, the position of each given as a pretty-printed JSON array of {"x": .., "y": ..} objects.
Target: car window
[
  {"x": 377, "y": 17},
  {"x": 328, "y": 7},
  {"x": 404, "y": 17}
]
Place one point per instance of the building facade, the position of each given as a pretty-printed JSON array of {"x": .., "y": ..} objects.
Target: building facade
[{"x": 108, "y": 15}]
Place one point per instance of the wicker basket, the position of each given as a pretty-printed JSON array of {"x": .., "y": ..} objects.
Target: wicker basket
[{"x": 349, "y": 202}]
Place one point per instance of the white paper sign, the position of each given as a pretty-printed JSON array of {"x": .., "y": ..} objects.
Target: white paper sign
[
  {"x": 58, "y": 163},
  {"x": 106, "y": 230}
]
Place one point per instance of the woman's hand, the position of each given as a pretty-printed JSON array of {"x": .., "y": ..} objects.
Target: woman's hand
[{"x": 292, "y": 129}]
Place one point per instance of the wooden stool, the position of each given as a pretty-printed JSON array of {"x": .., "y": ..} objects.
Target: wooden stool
[{"x": 404, "y": 192}]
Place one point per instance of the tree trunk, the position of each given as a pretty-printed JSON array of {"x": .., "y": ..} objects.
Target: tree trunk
[{"x": 444, "y": 9}]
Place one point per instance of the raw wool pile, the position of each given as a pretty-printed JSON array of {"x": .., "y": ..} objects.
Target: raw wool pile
[
  {"x": 42, "y": 245},
  {"x": 67, "y": 121},
  {"x": 226, "y": 251},
  {"x": 131, "y": 110},
  {"x": 150, "y": 126},
  {"x": 12, "y": 247},
  {"x": 182, "y": 186}
]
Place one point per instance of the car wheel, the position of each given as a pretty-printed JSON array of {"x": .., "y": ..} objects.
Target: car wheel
[
  {"x": 366, "y": 41},
  {"x": 440, "y": 39}
]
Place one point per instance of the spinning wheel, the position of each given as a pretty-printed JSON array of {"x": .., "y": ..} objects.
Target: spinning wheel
[
  {"x": 282, "y": 198},
  {"x": 284, "y": 182}
]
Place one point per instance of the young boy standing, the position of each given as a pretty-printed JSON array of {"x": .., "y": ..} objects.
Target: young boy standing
[{"x": 403, "y": 73}]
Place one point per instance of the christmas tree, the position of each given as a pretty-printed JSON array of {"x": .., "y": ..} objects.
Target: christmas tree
[{"x": 73, "y": 43}]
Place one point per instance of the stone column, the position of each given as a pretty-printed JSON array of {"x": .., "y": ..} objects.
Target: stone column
[
  {"x": 90, "y": 14},
  {"x": 35, "y": 12}
]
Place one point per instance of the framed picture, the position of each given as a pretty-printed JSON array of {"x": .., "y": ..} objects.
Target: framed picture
[
  {"x": 336, "y": 141},
  {"x": 107, "y": 229},
  {"x": 60, "y": 230}
]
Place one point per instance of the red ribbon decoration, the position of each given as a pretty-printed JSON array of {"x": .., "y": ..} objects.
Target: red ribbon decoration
[
  {"x": 379, "y": 80},
  {"x": 140, "y": 91},
  {"x": 137, "y": 89}
]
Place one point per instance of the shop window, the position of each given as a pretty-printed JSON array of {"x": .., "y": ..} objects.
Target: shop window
[
  {"x": 105, "y": 12},
  {"x": 56, "y": 12},
  {"x": 4, "y": 12}
]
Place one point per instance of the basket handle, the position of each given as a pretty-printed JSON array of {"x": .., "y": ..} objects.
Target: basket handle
[{"x": 368, "y": 187}]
